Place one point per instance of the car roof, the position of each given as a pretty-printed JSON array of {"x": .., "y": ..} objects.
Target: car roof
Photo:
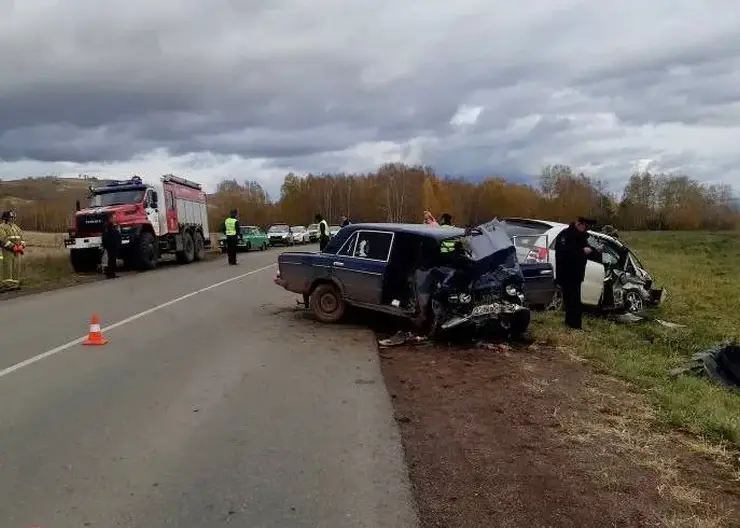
[
  {"x": 531, "y": 221},
  {"x": 250, "y": 227},
  {"x": 436, "y": 232}
]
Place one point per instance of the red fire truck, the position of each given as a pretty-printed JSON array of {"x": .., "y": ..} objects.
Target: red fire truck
[{"x": 168, "y": 217}]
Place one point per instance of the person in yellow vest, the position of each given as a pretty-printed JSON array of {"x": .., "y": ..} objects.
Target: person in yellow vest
[
  {"x": 448, "y": 246},
  {"x": 233, "y": 232},
  {"x": 4, "y": 248},
  {"x": 13, "y": 248}
]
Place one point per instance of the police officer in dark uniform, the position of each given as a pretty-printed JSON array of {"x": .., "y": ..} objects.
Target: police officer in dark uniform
[
  {"x": 571, "y": 255},
  {"x": 112, "y": 245}
]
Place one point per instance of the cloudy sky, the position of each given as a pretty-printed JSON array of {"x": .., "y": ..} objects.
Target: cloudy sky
[{"x": 252, "y": 89}]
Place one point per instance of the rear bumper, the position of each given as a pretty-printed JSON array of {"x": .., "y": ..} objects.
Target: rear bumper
[{"x": 280, "y": 282}]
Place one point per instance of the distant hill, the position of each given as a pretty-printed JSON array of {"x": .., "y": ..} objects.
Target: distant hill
[{"x": 26, "y": 192}]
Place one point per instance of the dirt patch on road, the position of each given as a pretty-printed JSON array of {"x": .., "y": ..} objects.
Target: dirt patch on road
[{"x": 533, "y": 437}]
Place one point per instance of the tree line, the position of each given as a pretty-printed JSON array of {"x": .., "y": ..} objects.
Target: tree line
[{"x": 401, "y": 193}]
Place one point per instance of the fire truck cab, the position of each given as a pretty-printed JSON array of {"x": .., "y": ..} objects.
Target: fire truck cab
[{"x": 168, "y": 217}]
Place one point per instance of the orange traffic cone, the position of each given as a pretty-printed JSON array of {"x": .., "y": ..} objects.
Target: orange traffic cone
[{"x": 95, "y": 337}]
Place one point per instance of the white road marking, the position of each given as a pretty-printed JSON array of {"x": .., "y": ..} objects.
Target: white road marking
[{"x": 65, "y": 346}]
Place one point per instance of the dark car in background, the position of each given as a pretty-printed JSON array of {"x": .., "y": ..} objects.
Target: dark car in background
[{"x": 441, "y": 278}]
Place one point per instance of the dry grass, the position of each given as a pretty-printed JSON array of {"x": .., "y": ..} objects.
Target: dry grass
[
  {"x": 36, "y": 239},
  {"x": 702, "y": 274}
]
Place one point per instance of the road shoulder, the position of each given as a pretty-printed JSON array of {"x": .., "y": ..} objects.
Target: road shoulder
[{"x": 533, "y": 437}]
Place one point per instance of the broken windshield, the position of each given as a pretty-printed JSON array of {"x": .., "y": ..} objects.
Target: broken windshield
[{"x": 106, "y": 199}]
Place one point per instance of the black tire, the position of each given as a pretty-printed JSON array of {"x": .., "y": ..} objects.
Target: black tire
[
  {"x": 187, "y": 255},
  {"x": 84, "y": 260},
  {"x": 200, "y": 247},
  {"x": 263, "y": 246},
  {"x": 249, "y": 246},
  {"x": 146, "y": 252},
  {"x": 327, "y": 303}
]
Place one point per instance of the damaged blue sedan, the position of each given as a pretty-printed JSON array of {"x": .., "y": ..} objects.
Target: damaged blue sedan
[{"x": 442, "y": 279}]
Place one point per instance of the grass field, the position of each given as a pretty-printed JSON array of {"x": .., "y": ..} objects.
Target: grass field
[{"x": 701, "y": 272}]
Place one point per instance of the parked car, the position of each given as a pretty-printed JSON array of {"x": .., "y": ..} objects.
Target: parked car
[
  {"x": 333, "y": 230},
  {"x": 404, "y": 270},
  {"x": 252, "y": 238},
  {"x": 313, "y": 232},
  {"x": 300, "y": 235},
  {"x": 615, "y": 278},
  {"x": 280, "y": 235}
]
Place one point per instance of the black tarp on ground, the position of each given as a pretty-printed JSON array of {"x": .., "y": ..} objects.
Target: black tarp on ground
[{"x": 720, "y": 364}]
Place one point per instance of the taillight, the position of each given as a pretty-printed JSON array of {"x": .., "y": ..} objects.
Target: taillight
[{"x": 538, "y": 254}]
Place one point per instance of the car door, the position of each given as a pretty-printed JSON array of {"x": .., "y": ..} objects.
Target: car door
[
  {"x": 151, "y": 205},
  {"x": 359, "y": 265},
  {"x": 593, "y": 281}
]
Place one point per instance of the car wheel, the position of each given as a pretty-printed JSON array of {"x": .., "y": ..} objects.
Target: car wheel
[
  {"x": 327, "y": 303},
  {"x": 633, "y": 302},
  {"x": 249, "y": 246},
  {"x": 263, "y": 246},
  {"x": 556, "y": 303}
]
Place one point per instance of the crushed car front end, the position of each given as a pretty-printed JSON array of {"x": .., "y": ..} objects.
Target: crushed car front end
[{"x": 483, "y": 292}]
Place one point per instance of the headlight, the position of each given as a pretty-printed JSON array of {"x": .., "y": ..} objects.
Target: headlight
[
  {"x": 465, "y": 298},
  {"x": 512, "y": 290}
]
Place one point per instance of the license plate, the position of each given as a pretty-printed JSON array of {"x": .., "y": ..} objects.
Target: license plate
[{"x": 486, "y": 309}]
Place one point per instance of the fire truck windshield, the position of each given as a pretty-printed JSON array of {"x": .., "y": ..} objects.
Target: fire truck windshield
[{"x": 104, "y": 199}]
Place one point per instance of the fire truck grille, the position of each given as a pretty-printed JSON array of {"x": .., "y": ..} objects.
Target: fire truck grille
[{"x": 91, "y": 223}]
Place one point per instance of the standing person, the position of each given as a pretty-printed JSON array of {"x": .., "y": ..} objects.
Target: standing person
[
  {"x": 112, "y": 245},
  {"x": 429, "y": 219},
  {"x": 445, "y": 219},
  {"x": 5, "y": 250},
  {"x": 233, "y": 232},
  {"x": 324, "y": 234},
  {"x": 344, "y": 221},
  {"x": 13, "y": 248},
  {"x": 571, "y": 255}
]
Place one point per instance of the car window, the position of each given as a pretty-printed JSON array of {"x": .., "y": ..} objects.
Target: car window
[
  {"x": 348, "y": 248},
  {"x": 373, "y": 245}
]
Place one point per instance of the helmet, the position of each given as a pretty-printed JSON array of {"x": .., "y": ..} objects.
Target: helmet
[{"x": 6, "y": 216}]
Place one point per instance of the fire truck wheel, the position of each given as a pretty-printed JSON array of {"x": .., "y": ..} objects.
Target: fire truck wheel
[
  {"x": 200, "y": 247},
  {"x": 146, "y": 252},
  {"x": 187, "y": 255}
]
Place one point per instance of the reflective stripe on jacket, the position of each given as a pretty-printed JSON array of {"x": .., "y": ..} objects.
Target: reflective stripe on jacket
[{"x": 230, "y": 224}]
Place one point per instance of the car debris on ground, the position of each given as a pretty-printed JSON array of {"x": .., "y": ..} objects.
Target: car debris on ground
[
  {"x": 721, "y": 364},
  {"x": 629, "y": 317}
]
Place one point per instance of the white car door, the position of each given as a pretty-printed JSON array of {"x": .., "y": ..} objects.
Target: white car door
[{"x": 593, "y": 280}]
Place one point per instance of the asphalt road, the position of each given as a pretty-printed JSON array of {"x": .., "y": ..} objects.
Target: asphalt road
[{"x": 215, "y": 402}]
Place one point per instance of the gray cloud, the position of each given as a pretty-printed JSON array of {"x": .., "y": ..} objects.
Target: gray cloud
[{"x": 217, "y": 87}]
